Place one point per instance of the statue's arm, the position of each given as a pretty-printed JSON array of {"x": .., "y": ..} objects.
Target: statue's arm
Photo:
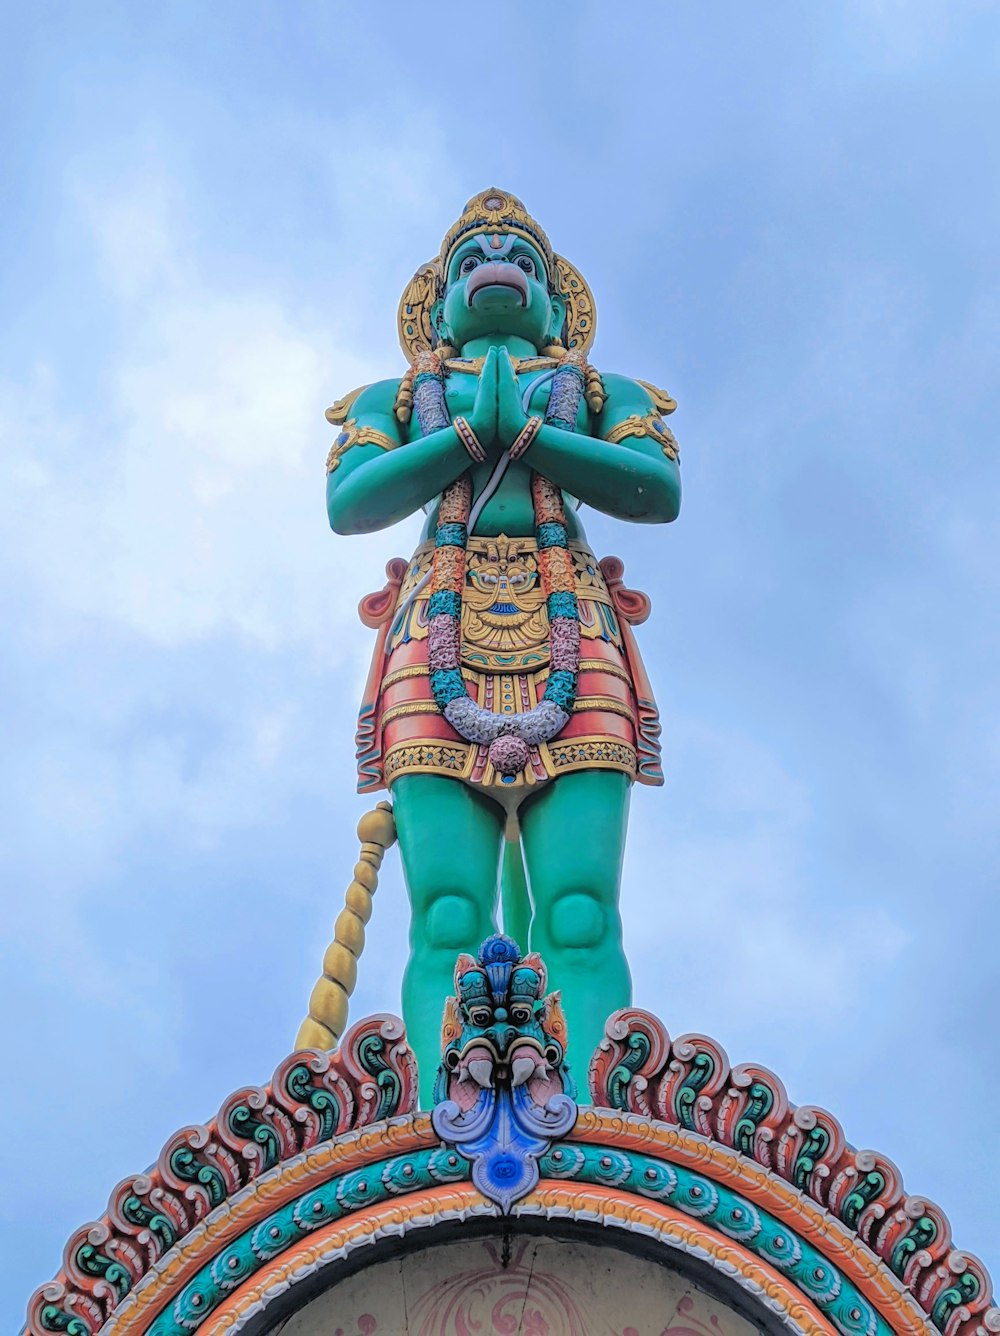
[
  {"x": 375, "y": 475},
  {"x": 634, "y": 475}
]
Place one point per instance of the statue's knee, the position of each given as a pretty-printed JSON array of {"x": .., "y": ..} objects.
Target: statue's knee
[
  {"x": 453, "y": 923},
  {"x": 578, "y": 920}
]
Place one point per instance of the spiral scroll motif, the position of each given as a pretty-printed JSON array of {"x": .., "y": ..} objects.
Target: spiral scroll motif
[
  {"x": 313, "y": 1097},
  {"x": 688, "y": 1083}
]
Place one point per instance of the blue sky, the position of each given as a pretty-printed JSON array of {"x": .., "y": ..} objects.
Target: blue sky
[{"x": 789, "y": 215}]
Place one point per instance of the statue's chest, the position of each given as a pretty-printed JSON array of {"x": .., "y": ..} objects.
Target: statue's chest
[
  {"x": 460, "y": 390},
  {"x": 460, "y": 394}
]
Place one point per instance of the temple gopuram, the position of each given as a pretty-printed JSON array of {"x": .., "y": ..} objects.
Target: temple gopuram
[{"x": 526, "y": 1151}]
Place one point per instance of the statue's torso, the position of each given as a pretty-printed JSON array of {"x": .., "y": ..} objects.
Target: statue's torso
[{"x": 510, "y": 510}]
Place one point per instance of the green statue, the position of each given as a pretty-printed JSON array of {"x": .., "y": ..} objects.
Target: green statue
[{"x": 507, "y": 708}]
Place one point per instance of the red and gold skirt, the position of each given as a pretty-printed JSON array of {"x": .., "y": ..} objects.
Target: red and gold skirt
[{"x": 505, "y": 663}]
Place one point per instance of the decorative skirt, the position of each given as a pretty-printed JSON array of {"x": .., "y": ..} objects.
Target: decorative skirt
[{"x": 505, "y": 663}]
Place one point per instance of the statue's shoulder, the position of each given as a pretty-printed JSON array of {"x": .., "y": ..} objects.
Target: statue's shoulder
[
  {"x": 377, "y": 399},
  {"x": 623, "y": 396},
  {"x": 635, "y": 409}
]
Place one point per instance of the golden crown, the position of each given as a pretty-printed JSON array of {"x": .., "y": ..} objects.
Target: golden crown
[{"x": 497, "y": 211}]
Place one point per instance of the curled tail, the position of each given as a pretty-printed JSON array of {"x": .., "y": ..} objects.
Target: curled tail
[{"x": 328, "y": 1002}]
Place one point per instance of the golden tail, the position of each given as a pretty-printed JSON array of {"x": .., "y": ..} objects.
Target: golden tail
[{"x": 327, "y": 1017}]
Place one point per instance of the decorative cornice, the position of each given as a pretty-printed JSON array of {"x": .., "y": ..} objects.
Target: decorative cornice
[
  {"x": 313, "y": 1098},
  {"x": 684, "y": 1148},
  {"x": 688, "y": 1083}
]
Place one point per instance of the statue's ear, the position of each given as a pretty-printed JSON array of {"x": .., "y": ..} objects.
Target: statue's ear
[
  {"x": 558, "y": 319},
  {"x": 438, "y": 322}
]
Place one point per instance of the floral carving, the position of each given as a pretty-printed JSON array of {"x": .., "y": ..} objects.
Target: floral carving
[
  {"x": 688, "y": 1083},
  {"x": 313, "y": 1097}
]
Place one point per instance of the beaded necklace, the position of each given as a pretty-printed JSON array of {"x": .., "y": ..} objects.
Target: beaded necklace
[{"x": 508, "y": 737}]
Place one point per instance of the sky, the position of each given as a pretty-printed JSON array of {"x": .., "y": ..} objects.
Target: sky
[{"x": 789, "y": 215}]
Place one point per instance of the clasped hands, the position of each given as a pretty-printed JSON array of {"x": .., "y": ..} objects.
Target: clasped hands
[{"x": 497, "y": 417}]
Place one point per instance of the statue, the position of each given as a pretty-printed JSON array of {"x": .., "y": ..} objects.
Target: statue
[{"x": 507, "y": 708}]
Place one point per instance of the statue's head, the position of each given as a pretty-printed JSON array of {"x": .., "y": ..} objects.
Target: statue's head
[
  {"x": 496, "y": 274},
  {"x": 497, "y": 284}
]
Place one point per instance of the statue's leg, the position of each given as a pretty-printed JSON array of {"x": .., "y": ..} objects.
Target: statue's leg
[
  {"x": 449, "y": 842},
  {"x": 574, "y": 839}
]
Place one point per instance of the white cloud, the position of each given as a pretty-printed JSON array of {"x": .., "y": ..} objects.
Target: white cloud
[
  {"x": 181, "y": 515},
  {"x": 727, "y": 904},
  {"x": 203, "y": 513}
]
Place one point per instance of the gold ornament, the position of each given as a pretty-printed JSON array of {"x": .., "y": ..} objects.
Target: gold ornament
[
  {"x": 403, "y": 406},
  {"x": 351, "y": 435},
  {"x": 525, "y": 436},
  {"x": 581, "y": 310},
  {"x": 503, "y": 609},
  {"x": 650, "y": 425},
  {"x": 662, "y": 401},
  {"x": 473, "y": 445},
  {"x": 594, "y": 390},
  {"x": 339, "y": 411},
  {"x": 414, "y": 315}
]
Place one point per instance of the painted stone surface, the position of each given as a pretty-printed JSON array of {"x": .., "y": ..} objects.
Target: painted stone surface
[{"x": 548, "y": 1287}]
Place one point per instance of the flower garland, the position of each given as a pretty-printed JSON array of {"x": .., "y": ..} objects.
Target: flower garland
[{"x": 509, "y": 736}]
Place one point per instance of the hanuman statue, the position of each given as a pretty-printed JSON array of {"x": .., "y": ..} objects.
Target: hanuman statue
[{"x": 507, "y": 709}]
